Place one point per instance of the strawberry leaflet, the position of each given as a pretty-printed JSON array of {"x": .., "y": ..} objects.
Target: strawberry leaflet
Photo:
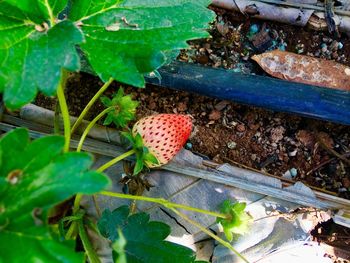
[
  {"x": 127, "y": 39},
  {"x": 122, "y": 39},
  {"x": 32, "y": 60},
  {"x": 34, "y": 176},
  {"x": 138, "y": 239}
]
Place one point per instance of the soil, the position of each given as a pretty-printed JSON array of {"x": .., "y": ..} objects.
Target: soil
[{"x": 297, "y": 148}]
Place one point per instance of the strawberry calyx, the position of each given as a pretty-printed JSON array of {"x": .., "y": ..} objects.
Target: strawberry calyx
[
  {"x": 143, "y": 157},
  {"x": 237, "y": 221},
  {"x": 124, "y": 109}
]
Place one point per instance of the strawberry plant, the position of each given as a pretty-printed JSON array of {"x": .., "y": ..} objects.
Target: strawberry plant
[
  {"x": 42, "y": 41},
  {"x": 30, "y": 185}
]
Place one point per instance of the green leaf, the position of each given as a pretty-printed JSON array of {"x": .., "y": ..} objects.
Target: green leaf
[
  {"x": 138, "y": 165},
  {"x": 35, "y": 10},
  {"x": 138, "y": 141},
  {"x": 127, "y": 39},
  {"x": 33, "y": 60},
  {"x": 84, "y": 8},
  {"x": 106, "y": 101},
  {"x": 123, "y": 39},
  {"x": 237, "y": 221},
  {"x": 34, "y": 176},
  {"x": 36, "y": 248},
  {"x": 57, "y": 6},
  {"x": 109, "y": 220},
  {"x": 39, "y": 10},
  {"x": 108, "y": 120},
  {"x": 150, "y": 159},
  {"x": 128, "y": 136},
  {"x": 144, "y": 239}
]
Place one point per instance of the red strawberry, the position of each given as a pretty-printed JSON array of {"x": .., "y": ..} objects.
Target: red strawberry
[{"x": 164, "y": 134}]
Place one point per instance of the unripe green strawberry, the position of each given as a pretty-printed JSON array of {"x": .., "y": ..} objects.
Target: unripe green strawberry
[{"x": 164, "y": 134}]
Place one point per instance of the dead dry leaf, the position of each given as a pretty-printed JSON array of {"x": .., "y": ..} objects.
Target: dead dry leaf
[
  {"x": 305, "y": 69},
  {"x": 326, "y": 139},
  {"x": 306, "y": 138}
]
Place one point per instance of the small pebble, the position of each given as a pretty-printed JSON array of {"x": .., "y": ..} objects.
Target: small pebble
[
  {"x": 182, "y": 107},
  {"x": 215, "y": 115},
  {"x": 253, "y": 157},
  {"x": 293, "y": 172},
  {"x": 231, "y": 145},
  {"x": 334, "y": 45},
  {"x": 274, "y": 145},
  {"x": 346, "y": 182},
  {"x": 327, "y": 39},
  {"x": 253, "y": 29},
  {"x": 340, "y": 45},
  {"x": 240, "y": 128},
  {"x": 293, "y": 153},
  {"x": 188, "y": 146},
  {"x": 299, "y": 48},
  {"x": 282, "y": 46},
  {"x": 324, "y": 47}
]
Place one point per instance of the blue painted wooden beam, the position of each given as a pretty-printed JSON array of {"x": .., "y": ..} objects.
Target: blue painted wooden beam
[{"x": 270, "y": 93}]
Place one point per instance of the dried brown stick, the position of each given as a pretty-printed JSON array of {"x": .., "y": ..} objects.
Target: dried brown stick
[
  {"x": 331, "y": 151},
  {"x": 325, "y": 163}
]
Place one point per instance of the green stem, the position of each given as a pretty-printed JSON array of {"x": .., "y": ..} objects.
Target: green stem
[
  {"x": 77, "y": 201},
  {"x": 71, "y": 230},
  {"x": 97, "y": 208},
  {"x": 73, "y": 225},
  {"x": 64, "y": 109},
  {"x": 89, "y": 127},
  {"x": 209, "y": 233},
  {"x": 163, "y": 202},
  {"x": 89, "y": 105},
  {"x": 90, "y": 251},
  {"x": 115, "y": 160},
  {"x": 56, "y": 120}
]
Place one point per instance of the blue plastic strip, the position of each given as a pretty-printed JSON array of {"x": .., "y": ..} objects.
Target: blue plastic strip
[{"x": 270, "y": 93}]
